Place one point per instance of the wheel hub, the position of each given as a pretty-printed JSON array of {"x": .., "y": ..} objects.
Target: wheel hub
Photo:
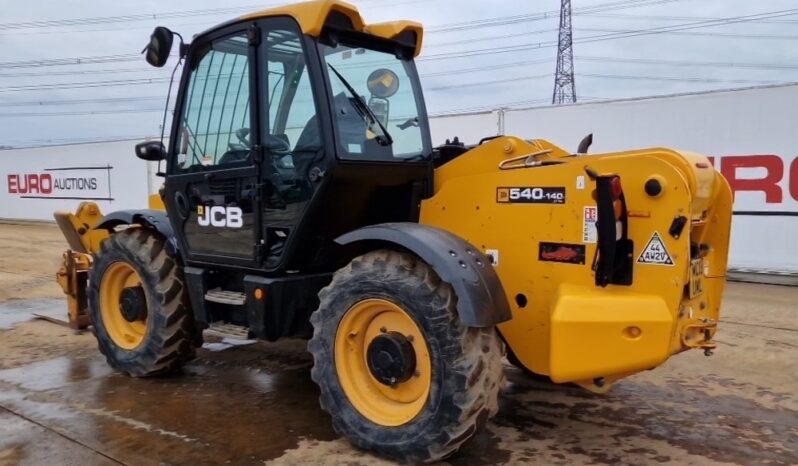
[
  {"x": 133, "y": 304},
  {"x": 391, "y": 358}
]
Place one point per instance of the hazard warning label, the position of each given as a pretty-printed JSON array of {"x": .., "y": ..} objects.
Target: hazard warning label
[{"x": 655, "y": 252}]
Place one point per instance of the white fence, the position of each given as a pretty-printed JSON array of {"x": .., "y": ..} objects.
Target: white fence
[
  {"x": 36, "y": 182},
  {"x": 750, "y": 133}
]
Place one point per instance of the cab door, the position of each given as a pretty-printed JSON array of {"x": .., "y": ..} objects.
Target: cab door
[{"x": 212, "y": 190}]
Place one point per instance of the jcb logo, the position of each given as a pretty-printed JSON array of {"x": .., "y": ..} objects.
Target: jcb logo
[{"x": 220, "y": 216}]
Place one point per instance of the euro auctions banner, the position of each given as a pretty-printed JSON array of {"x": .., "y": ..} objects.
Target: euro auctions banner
[
  {"x": 36, "y": 182},
  {"x": 75, "y": 183}
]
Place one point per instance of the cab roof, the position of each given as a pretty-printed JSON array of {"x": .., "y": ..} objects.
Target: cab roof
[{"x": 313, "y": 15}]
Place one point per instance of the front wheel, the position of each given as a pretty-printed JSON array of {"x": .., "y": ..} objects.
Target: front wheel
[
  {"x": 138, "y": 306},
  {"x": 399, "y": 373}
]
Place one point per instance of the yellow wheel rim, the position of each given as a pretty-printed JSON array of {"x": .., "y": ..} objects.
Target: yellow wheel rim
[
  {"x": 382, "y": 404},
  {"x": 117, "y": 277}
]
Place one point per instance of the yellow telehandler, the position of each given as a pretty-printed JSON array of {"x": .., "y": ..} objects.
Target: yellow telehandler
[{"x": 302, "y": 196}]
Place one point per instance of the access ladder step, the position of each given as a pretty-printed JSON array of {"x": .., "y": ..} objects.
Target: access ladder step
[
  {"x": 218, "y": 295},
  {"x": 225, "y": 330}
]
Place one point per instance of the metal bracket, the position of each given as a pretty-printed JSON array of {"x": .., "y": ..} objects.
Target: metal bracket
[
  {"x": 526, "y": 161},
  {"x": 73, "y": 277}
]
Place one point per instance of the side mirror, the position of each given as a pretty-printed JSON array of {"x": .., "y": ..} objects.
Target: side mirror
[
  {"x": 157, "y": 51},
  {"x": 151, "y": 150}
]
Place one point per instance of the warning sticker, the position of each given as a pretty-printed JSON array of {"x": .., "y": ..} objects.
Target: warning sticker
[
  {"x": 655, "y": 252},
  {"x": 589, "y": 232}
]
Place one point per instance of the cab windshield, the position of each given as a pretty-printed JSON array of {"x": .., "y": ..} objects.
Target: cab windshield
[{"x": 377, "y": 105}]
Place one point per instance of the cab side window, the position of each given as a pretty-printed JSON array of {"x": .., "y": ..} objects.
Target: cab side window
[{"x": 216, "y": 123}]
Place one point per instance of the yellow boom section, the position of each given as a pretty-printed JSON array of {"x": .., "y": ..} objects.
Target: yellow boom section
[{"x": 563, "y": 324}]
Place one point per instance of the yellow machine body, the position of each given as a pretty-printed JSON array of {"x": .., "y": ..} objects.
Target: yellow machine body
[{"x": 563, "y": 325}]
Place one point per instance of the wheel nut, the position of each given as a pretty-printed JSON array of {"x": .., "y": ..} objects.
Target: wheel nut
[
  {"x": 410, "y": 338},
  {"x": 383, "y": 329}
]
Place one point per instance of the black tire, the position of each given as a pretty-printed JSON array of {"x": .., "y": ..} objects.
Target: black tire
[
  {"x": 466, "y": 362},
  {"x": 168, "y": 341}
]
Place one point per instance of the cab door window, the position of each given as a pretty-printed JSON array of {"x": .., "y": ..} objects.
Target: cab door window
[
  {"x": 216, "y": 123},
  {"x": 291, "y": 140}
]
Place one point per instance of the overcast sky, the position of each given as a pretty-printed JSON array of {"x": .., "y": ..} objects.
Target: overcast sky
[{"x": 507, "y": 64}]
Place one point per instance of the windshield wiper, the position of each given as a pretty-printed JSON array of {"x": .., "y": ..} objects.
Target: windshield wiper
[{"x": 365, "y": 111}]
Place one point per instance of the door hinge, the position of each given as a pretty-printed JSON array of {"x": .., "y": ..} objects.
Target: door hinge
[
  {"x": 259, "y": 248},
  {"x": 257, "y": 154},
  {"x": 259, "y": 188}
]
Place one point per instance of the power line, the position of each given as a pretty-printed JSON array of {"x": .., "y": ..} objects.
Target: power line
[
  {"x": 71, "y": 61},
  {"x": 693, "y": 25},
  {"x": 610, "y": 36},
  {"x": 81, "y": 112},
  {"x": 690, "y": 63},
  {"x": 679, "y": 79},
  {"x": 489, "y": 83},
  {"x": 508, "y": 20},
  {"x": 39, "y": 74},
  {"x": 124, "y": 18},
  {"x": 475, "y": 69},
  {"x": 734, "y": 35},
  {"x": 679, "y": 18},
  {"x": 103, "y": 100},
  {"x": 83, "y": 85}
]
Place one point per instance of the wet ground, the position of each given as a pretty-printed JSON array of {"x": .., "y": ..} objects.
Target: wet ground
[{"x": 256, "y": 404}]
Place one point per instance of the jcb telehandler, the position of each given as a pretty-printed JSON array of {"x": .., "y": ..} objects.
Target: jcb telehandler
[{"x": 303, "y": 197}]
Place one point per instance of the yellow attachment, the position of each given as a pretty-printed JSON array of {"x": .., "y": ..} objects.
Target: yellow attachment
[
  {"x": 78, "y": 229},
  {"x": 381, "y": 404},
  {"x": 117, "y": 277},
  {"x": 83, "y": 240},
  {"x": 312, "y": 16},
  {"x": 73, "y": 276}
]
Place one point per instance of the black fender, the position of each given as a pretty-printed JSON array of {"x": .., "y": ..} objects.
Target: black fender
[
  {"x": 481, "y": 301},
  {"x": 150, "y": 218}
]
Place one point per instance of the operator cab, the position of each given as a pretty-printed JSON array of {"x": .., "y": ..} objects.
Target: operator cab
[{"x": 290, "y": 131}]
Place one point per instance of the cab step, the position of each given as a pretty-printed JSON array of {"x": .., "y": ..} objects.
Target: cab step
[
  {"x": 226, "y": 330},
  {"x": 218, "y": 295}
]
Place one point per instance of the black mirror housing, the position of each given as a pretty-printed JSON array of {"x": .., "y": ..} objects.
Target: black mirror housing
[
  {"x": 151, "y": 150},
  {"x": 157, "y": 51}
]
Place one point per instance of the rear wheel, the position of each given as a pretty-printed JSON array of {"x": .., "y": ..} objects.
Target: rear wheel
[
  {"x": 398, "y": 372},
  {"x": 138, "y": 305}
]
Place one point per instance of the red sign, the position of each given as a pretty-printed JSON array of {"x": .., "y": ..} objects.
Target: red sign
[
  {"x": 769, "y": 184},
  {"x": 30, "y": 183}
]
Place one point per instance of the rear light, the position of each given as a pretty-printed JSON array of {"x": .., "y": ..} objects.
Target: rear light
[
  {"x": 615, "y": 187},
  {"x": 617, "y": 208},
  {"x": 613, "y": 261}
]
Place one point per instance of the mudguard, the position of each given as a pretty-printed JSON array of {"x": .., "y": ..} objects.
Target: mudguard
[
  {"x": 481, "y": 301},
  {"x": 155, "y": 219}
]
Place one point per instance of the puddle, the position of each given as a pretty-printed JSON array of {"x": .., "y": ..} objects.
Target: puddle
[{"x": 16, "y": 311}]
